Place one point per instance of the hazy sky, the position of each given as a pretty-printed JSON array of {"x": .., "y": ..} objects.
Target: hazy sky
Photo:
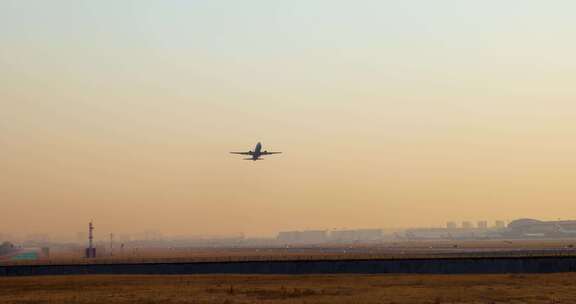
[{"x": 390, "y": 113}]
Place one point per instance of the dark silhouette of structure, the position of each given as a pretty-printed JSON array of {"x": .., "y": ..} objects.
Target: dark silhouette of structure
[
  {"x": 256, "y": 153},
  {"x": 90, "y": 251}
]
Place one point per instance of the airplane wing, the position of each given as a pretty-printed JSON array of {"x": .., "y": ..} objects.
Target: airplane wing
[
  {"x": 268, "y": 153},
  {"x": 243, "y": 153}
]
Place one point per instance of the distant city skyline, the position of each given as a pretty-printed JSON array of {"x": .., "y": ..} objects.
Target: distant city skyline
[{"x": 150, "y": 234}]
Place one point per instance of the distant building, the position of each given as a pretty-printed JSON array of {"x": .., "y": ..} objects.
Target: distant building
[
  {"x": 369, "y": 234},
  {"x": 6, "y": 248},
  {"x": 321, "y": 236},
  {"x": 313, "y": 236},
  {"x": 452, "y": 231},
  {"x": 303, "y": 237},
  {"x": 432, "y": 233},
  {"x": 288, "y": 236},
  {"x": 343, "y": 235},
  {"x": 358, "y": 235},
  {"x": 521, "y": 228},
  {"x": 531, "y": 228}
]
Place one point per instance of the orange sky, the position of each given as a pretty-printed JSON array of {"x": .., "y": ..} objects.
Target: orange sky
[{"x": 124, "y": 114}]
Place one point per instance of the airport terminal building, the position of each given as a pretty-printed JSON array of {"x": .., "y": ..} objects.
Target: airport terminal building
[
  {"x": 531, "y": 228},
  {"x": 524, "y": 228}
]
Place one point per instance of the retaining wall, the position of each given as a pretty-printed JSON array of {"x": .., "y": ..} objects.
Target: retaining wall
[{"x": 380, "y": 266}]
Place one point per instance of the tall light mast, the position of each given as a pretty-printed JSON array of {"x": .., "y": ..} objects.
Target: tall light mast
[{"x": 90, "y": 251}]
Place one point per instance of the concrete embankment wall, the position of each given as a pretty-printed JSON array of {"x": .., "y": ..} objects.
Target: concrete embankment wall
[{"x": 416, "y": 266}]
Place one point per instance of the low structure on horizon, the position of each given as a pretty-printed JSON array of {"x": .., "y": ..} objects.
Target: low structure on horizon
[
  {"x": 336, "y": 236},
  {"x": 303, "y": 237},
  {"x": 520, "y": 229},
  {"x": 531, "y": 228}
]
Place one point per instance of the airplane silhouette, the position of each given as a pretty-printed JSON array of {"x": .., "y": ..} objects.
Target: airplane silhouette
[{"x": 257, "y": 153}]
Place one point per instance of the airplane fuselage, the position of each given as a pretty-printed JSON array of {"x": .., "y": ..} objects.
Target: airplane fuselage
[{"x": 257, "y": 151}]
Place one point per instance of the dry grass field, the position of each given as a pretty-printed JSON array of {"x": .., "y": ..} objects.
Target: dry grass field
[{"x": 227, "y": 289}]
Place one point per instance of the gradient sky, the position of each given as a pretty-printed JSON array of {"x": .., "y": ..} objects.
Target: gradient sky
[{"x": 390, "y": 114}]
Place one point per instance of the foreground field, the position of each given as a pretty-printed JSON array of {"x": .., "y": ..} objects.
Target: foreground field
[{"x": 552, "y": 288}]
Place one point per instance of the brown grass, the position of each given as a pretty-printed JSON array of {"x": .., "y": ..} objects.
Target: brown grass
[{"x": 236, "y": 289}]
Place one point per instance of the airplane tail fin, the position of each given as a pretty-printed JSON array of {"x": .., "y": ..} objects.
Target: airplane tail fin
[{"x": 253, "y": 159}]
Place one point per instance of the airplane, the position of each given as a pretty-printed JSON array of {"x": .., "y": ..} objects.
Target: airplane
[{"x": 256, "y": 153}]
